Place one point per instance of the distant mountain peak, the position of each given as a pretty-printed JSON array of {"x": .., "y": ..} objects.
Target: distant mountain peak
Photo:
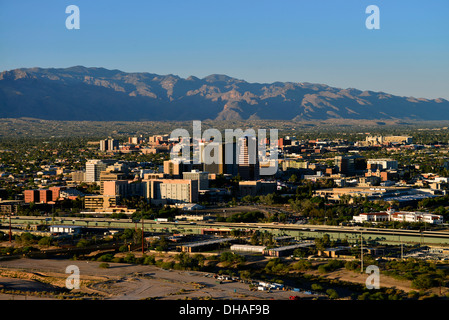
[{"x": 97, "y": 93}]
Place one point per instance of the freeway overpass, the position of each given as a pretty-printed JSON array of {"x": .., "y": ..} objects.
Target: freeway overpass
[{"x": 277, "y": 229}]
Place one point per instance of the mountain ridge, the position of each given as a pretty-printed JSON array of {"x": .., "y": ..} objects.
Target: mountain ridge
[{"x": 100, "y": 94}]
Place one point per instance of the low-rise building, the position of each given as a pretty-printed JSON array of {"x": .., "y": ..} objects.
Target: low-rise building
[
  {"x": 248, "y": 248},
  {"x": 254, "y": 188},
  {"x": 63, "y": 229},
  {"x": 372, "y": 217},
  {"x": 99, "y": 202},
  {"x": 402, "y": 216}
]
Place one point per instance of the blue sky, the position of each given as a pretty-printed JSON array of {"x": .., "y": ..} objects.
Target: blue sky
[{"x": 322, "y": 41}]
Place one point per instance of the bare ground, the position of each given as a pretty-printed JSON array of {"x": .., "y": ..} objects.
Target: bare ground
[{"x": 125, "y": 281}]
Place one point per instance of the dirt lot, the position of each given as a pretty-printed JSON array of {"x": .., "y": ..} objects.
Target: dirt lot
[{"x": 123, "y": 281}]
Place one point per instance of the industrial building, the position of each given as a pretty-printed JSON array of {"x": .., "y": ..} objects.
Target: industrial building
[
  {"x": 286, "y": 250},
  {"x": 204, "y": 245}
]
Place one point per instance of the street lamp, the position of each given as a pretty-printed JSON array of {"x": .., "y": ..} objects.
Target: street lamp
[
  {"x": 10, "y": 232},
  {"x": 361, "y": 252}
]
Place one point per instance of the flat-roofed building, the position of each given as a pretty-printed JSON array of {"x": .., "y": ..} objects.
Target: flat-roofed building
[
  {"x": 109, "y": 145},
  {"x": 372, "y": 217},
  {"x": 194, "y": 217},
  {"x": 172, "y": 191},
  {"x": 9, "y": 206},
  {"x": 201, "y": 177},
  {"x": 254, "y": 188},
  {"x": 78, "y": 176},
  {"x": 124, "y": 188},
  {"x": 401, "y": 216},
  {"x": 286, "y": 250},
  {"x": 93, "y": 170},
  {"x": 63, "y": 229},
  {"x": 381, "y": 164},
  {"x": 247, "y": 248},
  {"x": 99, "y": 202},
  {"x": 417, "y": 217},
  {"x": 110, "y": 176},
  {"x": 31, "y": 196},
  {"x": 203, "y": 245}
]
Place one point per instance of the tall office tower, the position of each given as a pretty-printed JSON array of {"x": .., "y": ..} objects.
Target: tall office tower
[
  {"x": 93, "y": 170},
  {"x": 213, "y": 158},
  {"x": 103, "y": 145},
  {"x": 109, "y": 145},
  {"x": 248, "y": 160},
  {"x": 350, "y": 165},
  {"x": 230, "y": 156}
]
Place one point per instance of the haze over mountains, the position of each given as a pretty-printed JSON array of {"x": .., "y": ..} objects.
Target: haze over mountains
[{"x": 80, "y": 93}]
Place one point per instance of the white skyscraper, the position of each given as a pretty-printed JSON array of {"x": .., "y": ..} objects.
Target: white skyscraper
[{"x": 93, "y": 170}]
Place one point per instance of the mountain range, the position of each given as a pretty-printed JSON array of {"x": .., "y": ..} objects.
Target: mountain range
[{"x": 81, "y": 93}]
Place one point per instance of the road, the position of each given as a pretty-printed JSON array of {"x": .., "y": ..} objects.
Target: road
[{"x": 296, "y": 230}]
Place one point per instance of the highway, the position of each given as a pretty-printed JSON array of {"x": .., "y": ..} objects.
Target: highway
[{"x": 296, "y": 230}]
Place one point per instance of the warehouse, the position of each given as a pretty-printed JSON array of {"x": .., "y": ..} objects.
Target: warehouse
[
  {"x": 286, "y": 250},
  {"x": 204, "y": 245}
]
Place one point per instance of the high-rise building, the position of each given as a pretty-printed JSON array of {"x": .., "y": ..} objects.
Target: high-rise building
[
  {"x": 93, "y": 170},
  {"x": 172, "y": 191},
  {"x": 31, "y": 196},
  {"x": 248, "y": 160},
  {"x": 109, "y": 145},
  {"x": 224, "y": 162},
  {"x": 45, "y": 195}
]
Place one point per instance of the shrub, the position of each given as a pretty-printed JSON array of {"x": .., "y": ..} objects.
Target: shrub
[
  {"x": 45, "y": 241},
  {"x": 82, "y": 243},
  {"x": 129, "y": 258},
  {"x": 316, "y": 287},
  {"x": 104, "y": 265},
  {"x": 106, "y": 257},
  {"x": 302, "y": 265},
  {"x": 332, "y": 294},
  {"x": 149, "y": 260},
  {"x": 423, "y": 281}
]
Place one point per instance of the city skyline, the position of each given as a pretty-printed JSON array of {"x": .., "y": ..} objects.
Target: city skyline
[{"x": 265, "y": 42}]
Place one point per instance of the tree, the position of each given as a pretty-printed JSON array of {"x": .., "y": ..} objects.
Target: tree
[
  {"x": 45, "y": 241},
  {"x": 424, "y": 281},
  {"x": 82, "y": 243}
]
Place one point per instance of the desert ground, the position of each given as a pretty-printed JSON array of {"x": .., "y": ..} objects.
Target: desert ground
[{"x": 123, "y": 281}]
